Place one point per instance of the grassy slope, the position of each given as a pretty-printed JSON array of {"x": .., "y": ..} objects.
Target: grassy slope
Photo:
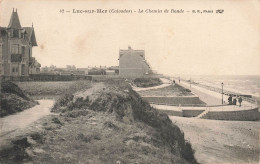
[
  {"x": 13, "y": 99},
  {"x": 52, "y": 89},
  {"x": 172, "y": 90},
  {"x": 106, "y": 124},
  {"x": 122, "y": 107}
]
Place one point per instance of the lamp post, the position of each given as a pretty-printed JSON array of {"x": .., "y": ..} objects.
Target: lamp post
[{"x": 222, "y": 84}]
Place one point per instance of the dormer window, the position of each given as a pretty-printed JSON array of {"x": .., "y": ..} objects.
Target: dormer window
[{"x": 16, "y": 33}]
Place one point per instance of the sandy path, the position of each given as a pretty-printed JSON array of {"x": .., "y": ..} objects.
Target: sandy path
[
  {"x": 20, "y": 120},
  {"x": 221, "y": 141}
]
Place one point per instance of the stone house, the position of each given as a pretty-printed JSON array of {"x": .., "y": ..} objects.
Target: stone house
[
  {"x": 132, "y": 63},
  {"x": 16, "y": 43}
]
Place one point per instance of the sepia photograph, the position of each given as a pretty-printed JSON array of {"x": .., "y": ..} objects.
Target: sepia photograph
[{"x": 130, "y": 82}]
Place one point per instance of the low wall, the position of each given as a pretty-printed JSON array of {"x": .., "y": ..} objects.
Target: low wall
[
  {"x": 57, "y": 77},
  {"x": 175, "y": 100},
  {"x": 183, "y": 113},
  {"x": 104, "y": 77},
  {"x": 172, "y": 112},
  {"x": 191, "y": 113},
  {"x": 14, "y": 78},
  {"x": 242, "y": 115}
]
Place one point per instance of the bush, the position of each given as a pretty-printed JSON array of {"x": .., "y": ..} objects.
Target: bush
[
  {"x": 128, "y": 106},
  {"x": 147, "y": 82},
  {"x": 9, "y": 87}
]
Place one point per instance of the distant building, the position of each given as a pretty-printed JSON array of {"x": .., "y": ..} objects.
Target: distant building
[
  {"x": 82, "y": 73},
  {"x": 34, "y": 68},
  {"x": 16, "y": 44},
  {"x": 83, "y": 69},
  {"x": 97, "y": 71},
  {"x": 110, "y": 72},
  {"x": 114, "y": 68},
  {"x": 132, "y": 63}
]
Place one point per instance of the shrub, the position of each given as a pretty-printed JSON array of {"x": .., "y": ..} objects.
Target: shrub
[{"x": 147, "y": 82}]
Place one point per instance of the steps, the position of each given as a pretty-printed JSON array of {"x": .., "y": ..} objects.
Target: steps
[{"x": 203, "y": 113}]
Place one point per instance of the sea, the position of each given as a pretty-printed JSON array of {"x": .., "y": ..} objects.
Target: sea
[{"x": 243, "y": 84}]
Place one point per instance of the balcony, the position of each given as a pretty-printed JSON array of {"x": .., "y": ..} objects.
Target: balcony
[
  {"x": 31, "y": 60},
  {"x": 16, "y": 58}
]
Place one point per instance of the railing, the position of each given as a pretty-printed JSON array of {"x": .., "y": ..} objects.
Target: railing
[
  {"x": 210, "y": 107},
  {"x": 179, "y": 105},
  {"x": 247, "y": 98}
]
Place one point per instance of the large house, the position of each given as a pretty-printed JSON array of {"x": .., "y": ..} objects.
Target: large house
[
  {"x": 16, "y": 44},
  {"x": 132, "y": 63}
]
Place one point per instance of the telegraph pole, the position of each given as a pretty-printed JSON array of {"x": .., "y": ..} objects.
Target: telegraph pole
[{"x": 222, "y": 84}]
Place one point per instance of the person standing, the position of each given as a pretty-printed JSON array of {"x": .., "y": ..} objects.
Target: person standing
[
  {"x": 240, "y": 101},
  {"x": 230, "y": 100}
]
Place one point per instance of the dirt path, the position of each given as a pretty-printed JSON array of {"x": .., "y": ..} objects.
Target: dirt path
[
  {"x": 10, "y": 124},
  {"x": 221, "y": 141}
]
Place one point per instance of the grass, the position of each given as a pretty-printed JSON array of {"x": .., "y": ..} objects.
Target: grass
[
  {"x": 118, "y": 107},
  {"x": 105, "y": 123},
  {"x": 53, "y": 89},
  {"x": 13, "y": 99},
  {"x": 147, "y": 82},
  {"x": 97, "y": 137},
  {"x": 172, "y": 90}
]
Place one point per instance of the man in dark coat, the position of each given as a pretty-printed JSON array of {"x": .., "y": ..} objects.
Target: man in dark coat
[
  {"x": 240, "y": 101},
  {"x": 234, "y": 101},
  {"x": 230, "y": 100}
]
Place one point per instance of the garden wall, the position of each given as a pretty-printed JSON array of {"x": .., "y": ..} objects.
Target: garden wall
[
  {"x": 242, "y": 115},
  {"x": 175, "y": 100},
  {"x": 191, "y": 113}
]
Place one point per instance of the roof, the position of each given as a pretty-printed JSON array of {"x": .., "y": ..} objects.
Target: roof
[
  {"x": 30, "y": 35},
  {"x": 14, "y": 21},
  {"x": 135, "y": 52}
]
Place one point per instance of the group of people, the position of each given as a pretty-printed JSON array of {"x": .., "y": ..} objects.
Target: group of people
[{"x": 233, "y": 101}]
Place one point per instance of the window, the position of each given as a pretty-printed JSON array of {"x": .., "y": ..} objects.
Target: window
[
  {"x": 15, "y": 49},
  {"x": 16, "y": 33},
  {"x": 13, "y": 69},
  {"x": 23, "y": 49}
]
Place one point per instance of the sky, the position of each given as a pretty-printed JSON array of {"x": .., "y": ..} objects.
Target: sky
[{"x": 188, "y": 43}]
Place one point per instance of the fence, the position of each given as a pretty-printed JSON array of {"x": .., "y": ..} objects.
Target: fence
[
  {"x": 210, "y": 107},
  {"x": 57, "y": 77}
]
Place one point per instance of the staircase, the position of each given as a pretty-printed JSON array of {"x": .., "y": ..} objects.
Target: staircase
[{"x": 203, "y": 113}]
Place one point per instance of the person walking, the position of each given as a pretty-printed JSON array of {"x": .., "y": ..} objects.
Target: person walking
[
  {"x": 240, "y": 101},
  {"x": 230, "y": 100},
  {"x": 235, "y": 101}
]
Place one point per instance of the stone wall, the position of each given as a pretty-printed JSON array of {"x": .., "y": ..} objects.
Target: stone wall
[
  {"x": 175, "y": 100},
  {"x": 241, "y": 115},
  {"x": 172, "y": 112},
  {"x": 191, "y": 113}
]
